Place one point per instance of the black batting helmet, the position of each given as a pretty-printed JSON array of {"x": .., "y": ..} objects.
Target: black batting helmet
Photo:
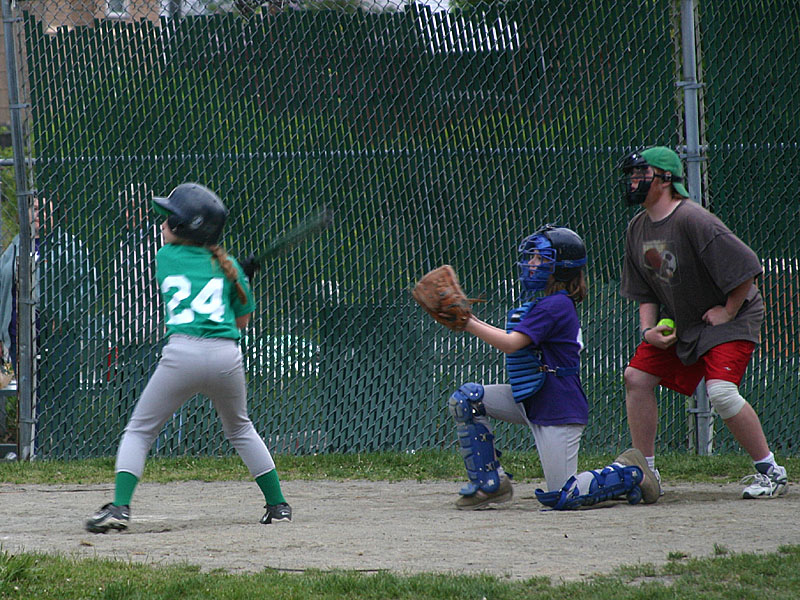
[
  {"x": 194, "y": 213},
  {"x": 570, "y": 251}
]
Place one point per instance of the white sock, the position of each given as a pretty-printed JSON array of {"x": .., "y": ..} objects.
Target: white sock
[
  {"x": 583, "y": 481},
  {"x": 651, "y": 462},
  {"x": 769, "y": 458}
]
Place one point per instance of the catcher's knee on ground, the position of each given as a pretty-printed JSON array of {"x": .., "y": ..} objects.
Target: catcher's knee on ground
[
  {"x": 725, "y": 398},
  {"x": 476, "y": 442},
  {"x": 591, "y": 487}
]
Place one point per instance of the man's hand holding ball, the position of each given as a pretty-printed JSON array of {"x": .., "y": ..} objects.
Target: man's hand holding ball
[
  {"x": 666, "y": 337},
  {"x": 669, "y": 323}
]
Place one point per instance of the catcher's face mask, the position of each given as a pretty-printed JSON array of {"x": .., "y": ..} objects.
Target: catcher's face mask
[
  {"x": 636, "y": 178},
  {"x": 537, "y": 260}
]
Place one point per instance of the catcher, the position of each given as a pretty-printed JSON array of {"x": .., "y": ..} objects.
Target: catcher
[{"x": 542, "y": 342}]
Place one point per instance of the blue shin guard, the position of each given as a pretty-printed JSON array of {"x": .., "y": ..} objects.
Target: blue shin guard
[
  {"x": 564, "y": 499},
  {"x": 476, "y": 442},
  {"x": 611, "y": 483}
]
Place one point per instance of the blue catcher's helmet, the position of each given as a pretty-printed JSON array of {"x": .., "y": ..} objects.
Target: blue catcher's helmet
[{"x": 560, "y": 251}]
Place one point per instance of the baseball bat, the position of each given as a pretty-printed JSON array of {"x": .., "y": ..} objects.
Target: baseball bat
[{"x": 284, "y": 243}]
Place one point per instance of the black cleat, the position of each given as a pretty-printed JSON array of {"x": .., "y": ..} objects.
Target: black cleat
[
  {"x": 277, "y": 513},
  {"x": 108, "y": 517}
]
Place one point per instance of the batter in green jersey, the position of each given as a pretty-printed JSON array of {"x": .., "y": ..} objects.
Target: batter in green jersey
[
  {"x": 199, "y": 300},
  {"x": 207, "y": 302}
]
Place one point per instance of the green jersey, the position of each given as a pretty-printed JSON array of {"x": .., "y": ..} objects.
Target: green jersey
[{"x": 198, "y": 299}]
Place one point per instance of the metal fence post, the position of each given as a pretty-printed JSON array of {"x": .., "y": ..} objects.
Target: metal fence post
[
  {"x": 704, "y": 422},
  {"x": 25, "y": 438}
]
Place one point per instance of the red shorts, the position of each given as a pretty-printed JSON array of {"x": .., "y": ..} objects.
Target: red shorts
[{"x": 727, "y": 361}]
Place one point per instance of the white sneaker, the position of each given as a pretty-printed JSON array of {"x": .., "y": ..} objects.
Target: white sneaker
[{"x": 769, "y": 482}]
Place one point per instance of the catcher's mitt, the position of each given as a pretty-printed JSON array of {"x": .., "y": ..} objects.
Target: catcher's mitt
[{"x": 440, "y": 294}]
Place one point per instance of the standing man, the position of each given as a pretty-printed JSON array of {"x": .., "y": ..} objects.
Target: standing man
[
  {"x": 683, "y": 263},
  {"x": 8, "y": 285},
  {"x": 9, "y": 266}
]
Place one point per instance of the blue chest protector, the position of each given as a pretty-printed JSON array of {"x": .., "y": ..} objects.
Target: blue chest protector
[{"x": 526, "y": 372}]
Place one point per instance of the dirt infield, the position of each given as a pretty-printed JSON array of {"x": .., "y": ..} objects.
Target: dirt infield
[{"x": 406, "y": 527}]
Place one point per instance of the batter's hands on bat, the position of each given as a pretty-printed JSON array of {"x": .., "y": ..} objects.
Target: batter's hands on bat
[{"x": 250, "y": 265}]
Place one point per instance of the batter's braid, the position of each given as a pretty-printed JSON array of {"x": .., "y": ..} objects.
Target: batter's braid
[{"x": 230, "y": 271}]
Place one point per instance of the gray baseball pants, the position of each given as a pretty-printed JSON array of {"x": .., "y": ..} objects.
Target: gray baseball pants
[
  {"x": 557, "y": 445},
  {"x": 189, "y": 366}
]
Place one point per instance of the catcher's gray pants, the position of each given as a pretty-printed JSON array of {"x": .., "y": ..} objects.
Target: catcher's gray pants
[
  {"x": 189, "y": 366},
  {"x": 557, "y": 445}
]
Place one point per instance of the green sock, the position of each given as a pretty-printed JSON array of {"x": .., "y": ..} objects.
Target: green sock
[
  {"x": 123, "y": 491},
  {"x": 271, "y": 487}
]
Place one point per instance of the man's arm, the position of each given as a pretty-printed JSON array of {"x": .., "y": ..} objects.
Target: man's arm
[
  {"x": 717, "y": 315},
  {"x": 652, "y": 333},
  {"x": 648, "y": 315}
]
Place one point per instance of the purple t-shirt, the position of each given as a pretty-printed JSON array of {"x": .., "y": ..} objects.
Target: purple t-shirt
[{"x": 554, "y": 328}]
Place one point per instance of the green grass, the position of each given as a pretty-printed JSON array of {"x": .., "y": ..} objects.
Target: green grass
[
  {"x": 388, "y": 466},
  {"x": 723, "y": 575}
]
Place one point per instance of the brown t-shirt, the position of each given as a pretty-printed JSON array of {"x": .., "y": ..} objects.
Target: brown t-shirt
[{"x": 687, "y": 263}]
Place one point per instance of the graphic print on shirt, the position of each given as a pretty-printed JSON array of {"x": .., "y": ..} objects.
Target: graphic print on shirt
[{"x": 658, "y": 258}]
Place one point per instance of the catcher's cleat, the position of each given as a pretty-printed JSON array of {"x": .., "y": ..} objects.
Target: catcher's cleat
[
  {"x": 769, "y": 482},
  {"x": 650, "y": 485},
  {"x": 108, "y": 517},
  {"x": 481, "y": 499},
  {"x": 277, "y": 513}
]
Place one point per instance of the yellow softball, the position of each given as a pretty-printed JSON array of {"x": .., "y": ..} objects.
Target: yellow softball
[{"x": 669, "y": 323}]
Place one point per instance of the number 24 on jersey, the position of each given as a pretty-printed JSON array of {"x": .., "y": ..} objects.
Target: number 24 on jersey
[{"x": 208, "y": 301}]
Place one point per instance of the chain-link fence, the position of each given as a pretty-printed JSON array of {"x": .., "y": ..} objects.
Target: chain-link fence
[{"x": 436, "y": 133}]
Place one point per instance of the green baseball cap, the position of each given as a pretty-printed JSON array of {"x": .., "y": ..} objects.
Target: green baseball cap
[{"x": 666, "y": 159}]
